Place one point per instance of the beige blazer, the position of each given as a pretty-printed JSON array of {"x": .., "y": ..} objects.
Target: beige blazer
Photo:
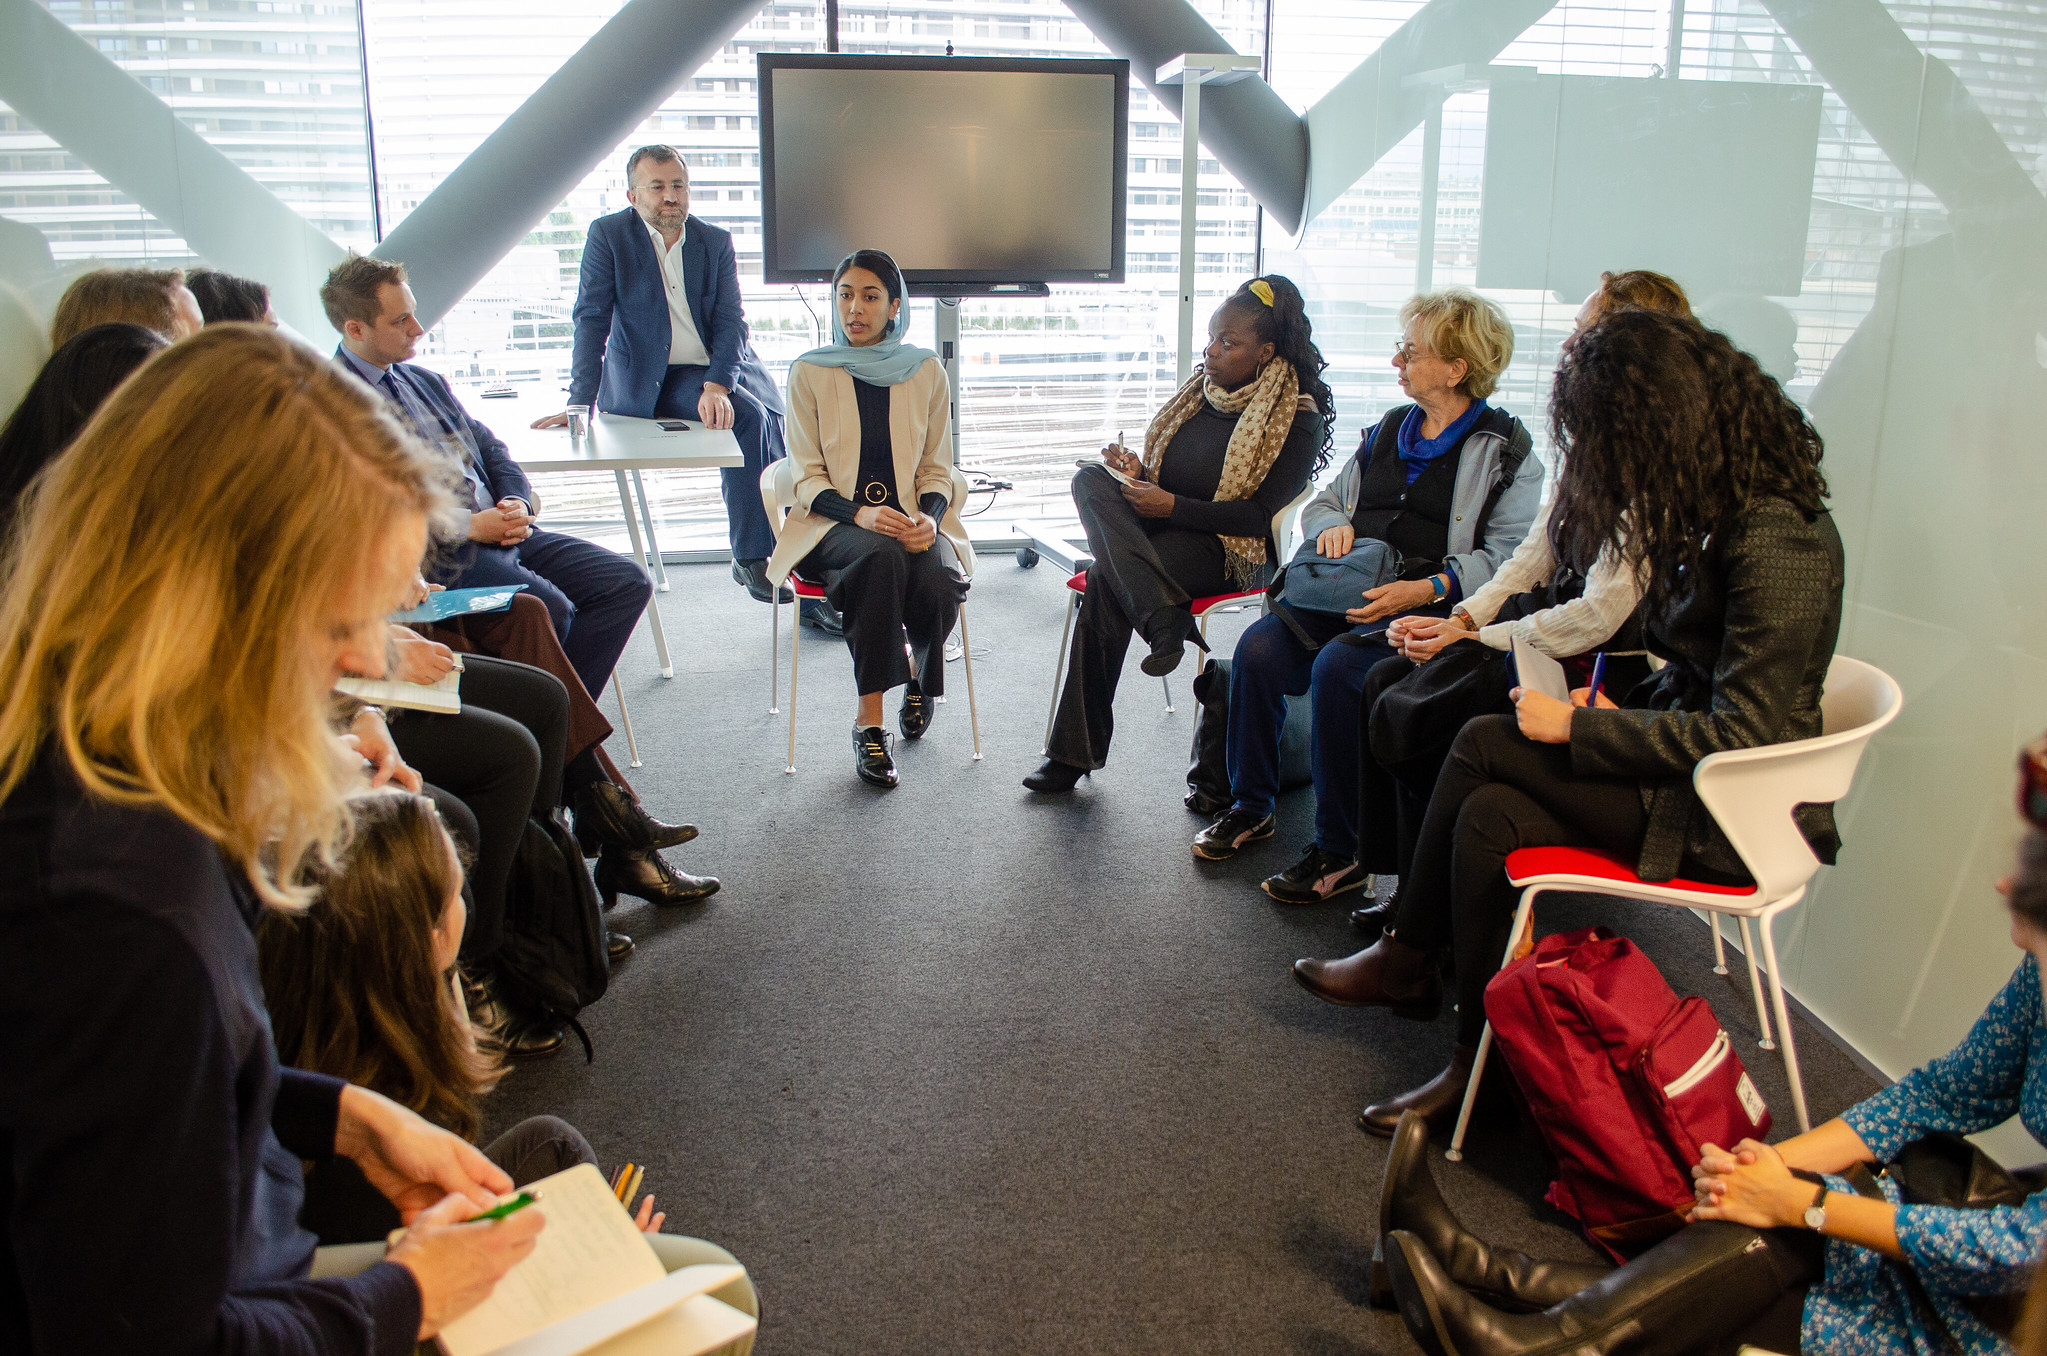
[{"x": 824, "y": 452}]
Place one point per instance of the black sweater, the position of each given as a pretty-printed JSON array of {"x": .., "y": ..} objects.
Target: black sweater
[
  {"x": 877, "y": 463},
  {"x": 1193, "y": 466},
  {"x": 151, "y": 1184}
]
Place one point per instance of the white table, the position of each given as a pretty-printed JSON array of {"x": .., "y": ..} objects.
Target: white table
[{"x": 619, "y": 444}]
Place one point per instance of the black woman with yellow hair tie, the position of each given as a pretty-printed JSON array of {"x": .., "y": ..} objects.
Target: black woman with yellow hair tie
[{"x": 1191, "y": 513}]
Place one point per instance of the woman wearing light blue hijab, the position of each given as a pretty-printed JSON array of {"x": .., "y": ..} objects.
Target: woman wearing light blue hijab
[{"x": 870, "y": 440}]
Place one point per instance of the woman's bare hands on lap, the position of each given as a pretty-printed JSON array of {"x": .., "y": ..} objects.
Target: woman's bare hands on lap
[
  {"x": 1423, "y": 638},
  {"x": 883, "y": 519},
  {"x": 922, "y": 532},
  {"x": 1749, "y": 1185},
  {"x": 1403, "y": 595}
]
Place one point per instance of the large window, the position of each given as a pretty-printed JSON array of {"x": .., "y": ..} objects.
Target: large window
[
  {"x": 1042, "y": 381},
  {"x": 274, "y": 87}
]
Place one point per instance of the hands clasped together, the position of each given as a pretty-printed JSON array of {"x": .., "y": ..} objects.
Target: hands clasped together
[
  {"x": 1749, "y": 1184},
  {"x": 916, "y": 533}
]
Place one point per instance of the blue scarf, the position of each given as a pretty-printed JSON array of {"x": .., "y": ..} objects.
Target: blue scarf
[
  {"x": 886, "y": 362},
  {"x": 1417, "y": 452}
]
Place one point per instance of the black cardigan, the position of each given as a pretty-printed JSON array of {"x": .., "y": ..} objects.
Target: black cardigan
[
  {"x": 1747, "y": 648},
  {"x": 151, "y": 1183}
]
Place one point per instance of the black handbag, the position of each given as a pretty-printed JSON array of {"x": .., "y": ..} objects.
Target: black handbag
[
  {"x": 1427, "y": 707},
  {"x": 1945, "y": 1169}
]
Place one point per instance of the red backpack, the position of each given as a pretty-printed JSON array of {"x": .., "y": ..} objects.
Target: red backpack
[{"x": 1624, "y": 1079}]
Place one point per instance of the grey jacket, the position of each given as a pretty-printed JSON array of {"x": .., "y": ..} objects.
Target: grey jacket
[{"x": 1498, "y": 441}]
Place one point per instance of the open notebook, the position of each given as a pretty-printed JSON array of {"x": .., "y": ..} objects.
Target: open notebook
[
  {"x": 592, "y": 1284},
  {"x": 442, "y": 698}
]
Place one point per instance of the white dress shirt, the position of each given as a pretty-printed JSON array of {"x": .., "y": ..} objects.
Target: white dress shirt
[
  {"x": 1581, "y": 625},
  {"x": 685, "y": 345}
]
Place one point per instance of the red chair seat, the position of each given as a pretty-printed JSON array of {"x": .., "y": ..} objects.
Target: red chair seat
[
  {"x": 804, "y": 588},
  {"x": 1078, "y": 583},
  {"x": 1526, "y": 864}
]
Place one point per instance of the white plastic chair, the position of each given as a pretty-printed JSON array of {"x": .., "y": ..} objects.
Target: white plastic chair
[
  {"x": 1751, "y": 794},
  {"x": 1284, "y": 525},
  {"x": 778, "y": 496}
]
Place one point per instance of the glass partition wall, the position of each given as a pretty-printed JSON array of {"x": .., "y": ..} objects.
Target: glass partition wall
[{"x": 1852, "y": 190}]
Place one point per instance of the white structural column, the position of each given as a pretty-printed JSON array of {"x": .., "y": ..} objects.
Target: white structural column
[
  {"x": 59, "y": 81},
  {"x": 1190, "y": 72}
]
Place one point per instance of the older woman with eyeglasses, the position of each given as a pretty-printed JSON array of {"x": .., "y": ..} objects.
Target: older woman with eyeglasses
[{"x": 1448, "y": 482}]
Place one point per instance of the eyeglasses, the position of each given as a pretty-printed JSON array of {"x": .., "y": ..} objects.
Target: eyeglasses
[
  {"x": 2033, "y": 783},
  {"x": 1407, "y": 352}
]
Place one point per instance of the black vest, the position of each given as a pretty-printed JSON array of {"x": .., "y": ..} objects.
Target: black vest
[{"x": 1414, "y": 519}]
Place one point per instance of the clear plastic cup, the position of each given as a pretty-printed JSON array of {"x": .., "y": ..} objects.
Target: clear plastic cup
[{"x": 579, "y": 423}]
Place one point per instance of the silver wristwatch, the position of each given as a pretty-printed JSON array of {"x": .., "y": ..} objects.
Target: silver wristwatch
[{"x": 1816, "y": 1213}]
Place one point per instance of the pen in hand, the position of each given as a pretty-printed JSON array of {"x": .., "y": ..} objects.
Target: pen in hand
[
  {"x": 518, "y": 1202},
  {"x": 1598, "y": 673}
]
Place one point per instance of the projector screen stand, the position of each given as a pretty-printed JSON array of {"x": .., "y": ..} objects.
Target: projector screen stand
[
  {"x": 947, "y": 326},
  {"x": 945, "y": 304}
]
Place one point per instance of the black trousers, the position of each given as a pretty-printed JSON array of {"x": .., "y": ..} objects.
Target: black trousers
[
  {"x": 1145, "y": 571},
  {"x": 1499, "y": 791},
  {"x": 1393, "y": 796},
  {"x": 887, "y": 594},
  {"x": 593, "y": 596},
  {"x": 501, "y": 760}
]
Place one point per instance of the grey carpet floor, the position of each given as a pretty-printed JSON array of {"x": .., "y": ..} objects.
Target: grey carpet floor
[{"x": 957, "y": 1069}]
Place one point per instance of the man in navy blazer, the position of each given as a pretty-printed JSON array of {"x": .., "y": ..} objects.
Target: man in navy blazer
[
  {"x": 595, "y": 596},
  {"x": 660, "y": 333}
]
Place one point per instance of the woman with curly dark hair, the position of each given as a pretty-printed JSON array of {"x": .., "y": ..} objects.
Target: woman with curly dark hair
[
  {"x": 1192, "y": 515},
  {"x": 1683, "y": 456}
]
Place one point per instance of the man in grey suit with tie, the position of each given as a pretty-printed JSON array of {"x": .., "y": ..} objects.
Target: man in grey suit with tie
[{"x": 660, "y": 332}]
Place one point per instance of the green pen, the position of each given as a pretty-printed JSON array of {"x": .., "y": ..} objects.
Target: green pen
[{"x": 518, "y": 1202}]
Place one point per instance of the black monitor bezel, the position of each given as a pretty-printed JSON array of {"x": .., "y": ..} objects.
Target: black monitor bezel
[{"x": 951, "y": 280}]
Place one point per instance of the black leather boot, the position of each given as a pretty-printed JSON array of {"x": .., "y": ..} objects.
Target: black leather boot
[
  {"x": 1703, "y": 1284},
  {"x": 1168, "y": 631},
  {"x": 1408, "y": 1201},
  {"x": 1388, "y": 973},
  {"x": 608, "y": 816},
  {"x": 1054, "y": 777},
  {"x": 641, "y": 873},
  {"x": 1436, "y": 1101}
]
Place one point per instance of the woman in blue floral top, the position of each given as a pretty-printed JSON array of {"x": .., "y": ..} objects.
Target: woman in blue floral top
[{"x": 1777, "y": 1223}]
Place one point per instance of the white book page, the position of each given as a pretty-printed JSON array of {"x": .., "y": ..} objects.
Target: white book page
[
  {"x": 588, "y": 1254},
  {"x": 443, "y": 696},
  {"x": 675, "y": 1313},
  {"x": 691, "y": 1328},
  {"x": 1537, "y": 672}
]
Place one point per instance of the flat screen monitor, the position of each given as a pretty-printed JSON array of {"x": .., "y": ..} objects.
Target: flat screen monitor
[
  {"x": 1709, "y": 181},
  {"x": 967, "y": 170}
]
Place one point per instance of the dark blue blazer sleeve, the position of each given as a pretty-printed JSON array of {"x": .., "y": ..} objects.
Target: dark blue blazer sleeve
[
  {"x": 507, "y": 478},
  {"x": 596, "y": 298},
  {"x": 727, "y": 339}
]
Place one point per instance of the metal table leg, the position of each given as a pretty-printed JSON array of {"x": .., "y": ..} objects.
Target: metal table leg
[
  {"x": 660, "y": 566},
  {"x": 632, "y": 527}
]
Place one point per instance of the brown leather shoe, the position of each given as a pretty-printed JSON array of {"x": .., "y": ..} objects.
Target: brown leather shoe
[
  {"x": 1435, "y": 1102},
  {"x": 1386, "y": 974}
]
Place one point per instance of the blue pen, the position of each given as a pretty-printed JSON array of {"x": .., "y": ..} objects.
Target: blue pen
[{"x": 1598, "y": 672}]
